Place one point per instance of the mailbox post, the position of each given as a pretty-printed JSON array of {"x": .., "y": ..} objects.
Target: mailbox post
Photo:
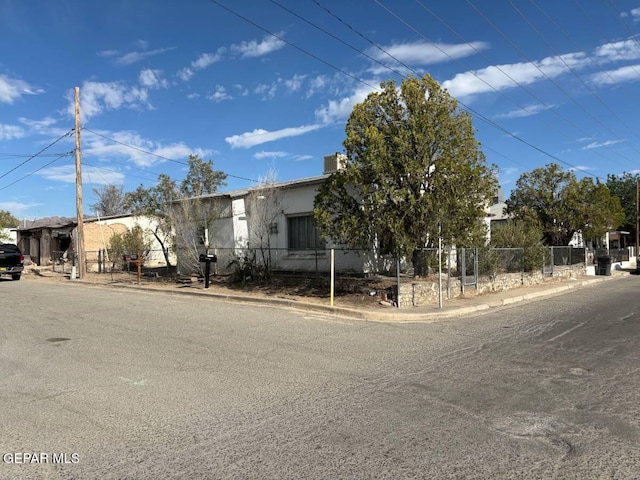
[{"x": 207, "y": 259}]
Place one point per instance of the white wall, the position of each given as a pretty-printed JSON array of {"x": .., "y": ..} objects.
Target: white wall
[{"x": 8, "y": 236}]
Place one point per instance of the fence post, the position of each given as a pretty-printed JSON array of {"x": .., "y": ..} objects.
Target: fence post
[
  {"x": 440, "y": 272},
  {"x": 463, "y": 270},
  {"x": 333, "y": 271},
  {"x": 398, "y": 280}
]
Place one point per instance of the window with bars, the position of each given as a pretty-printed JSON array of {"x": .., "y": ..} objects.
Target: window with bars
[{"x": 302, "y": 234}]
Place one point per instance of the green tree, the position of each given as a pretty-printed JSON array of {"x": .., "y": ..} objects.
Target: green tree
[
  {"x": 110, "y": 200},
  {"x": 563, "y": 205},
  {"x": 131, "y": 242},
  {"x": 414, "y": 170},
  {"x": 177, "y": 209},
  {"x": 7, "y": 220},
  {"x": 624, "y": 187},
  {"x": 526, "y": 235}
]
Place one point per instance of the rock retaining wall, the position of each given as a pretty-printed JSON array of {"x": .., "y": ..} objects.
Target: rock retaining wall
[{"x": 425, "y": 292}]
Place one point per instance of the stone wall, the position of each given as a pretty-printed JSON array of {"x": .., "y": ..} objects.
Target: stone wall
[{"x": 425, "y": 292}]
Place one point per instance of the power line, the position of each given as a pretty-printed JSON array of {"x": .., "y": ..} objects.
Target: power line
[
  {"x": 537, "y": 67},
  {"x": 68, "y": 154},
  {"x": 158, "y": 156},
  {"x": 483, "y": 117},
  {"x": 35, "y": 155},
  {"x": 591, "y": 90},
  {"x": 506, "y": 74},
  {"x": 306, "y": 52},
  {"x": 346, "y": 44}
]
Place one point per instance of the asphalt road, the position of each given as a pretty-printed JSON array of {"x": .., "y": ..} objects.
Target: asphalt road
[{"x": 116, "y": 384}]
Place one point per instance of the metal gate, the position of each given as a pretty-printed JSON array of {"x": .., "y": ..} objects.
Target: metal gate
[
  {"x": 469, "y": 268},
  {"x": 547, "y": 263}
]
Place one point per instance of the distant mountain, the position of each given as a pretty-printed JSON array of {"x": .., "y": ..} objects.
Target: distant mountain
[{"x": 45, "y": 222}]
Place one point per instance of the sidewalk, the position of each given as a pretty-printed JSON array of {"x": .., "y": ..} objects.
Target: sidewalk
[{"x": 455, "y": 307}]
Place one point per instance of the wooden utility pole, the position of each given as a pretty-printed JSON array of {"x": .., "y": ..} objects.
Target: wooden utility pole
[
  {"x": 637, "y": 222},
  {"x": 80, "y": 228}
]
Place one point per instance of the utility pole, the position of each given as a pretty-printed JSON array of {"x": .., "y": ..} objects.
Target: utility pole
[
  {"x": 637, "y": 221},
  {"x": 80, "y": 227}
]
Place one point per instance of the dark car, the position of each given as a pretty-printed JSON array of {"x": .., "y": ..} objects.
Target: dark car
[{"x": 11, "y": 260}]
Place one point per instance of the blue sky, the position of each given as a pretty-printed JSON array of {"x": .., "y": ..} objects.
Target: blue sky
[{"x": 269, "y": 85}]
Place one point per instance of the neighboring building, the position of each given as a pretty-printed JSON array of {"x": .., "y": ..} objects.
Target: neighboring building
[
  {"x": 48, "y": 240},
  {"x": 8, "y": 235}
]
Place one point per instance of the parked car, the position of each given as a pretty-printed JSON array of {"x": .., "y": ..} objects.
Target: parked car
[{"x": 11, "y": 261}]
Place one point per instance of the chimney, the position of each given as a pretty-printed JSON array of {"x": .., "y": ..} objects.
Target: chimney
[{"x": 335, "y": 162}]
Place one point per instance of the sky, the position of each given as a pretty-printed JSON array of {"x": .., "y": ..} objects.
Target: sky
[{"x": 260, "y": 86}]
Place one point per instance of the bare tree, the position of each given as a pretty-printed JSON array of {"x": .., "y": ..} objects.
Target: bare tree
[
  {"x": 110, "y": 200},
  {"x": 192, "y": 220},
  {"x": 182, "y": 210},
  {"x": 263, "y": 205}
]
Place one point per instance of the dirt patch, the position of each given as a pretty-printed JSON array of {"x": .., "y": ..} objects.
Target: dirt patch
[{"x": 350, "y": 292}]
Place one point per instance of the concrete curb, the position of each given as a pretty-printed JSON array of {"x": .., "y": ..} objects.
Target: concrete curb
[{"x": 392, "y": 316}]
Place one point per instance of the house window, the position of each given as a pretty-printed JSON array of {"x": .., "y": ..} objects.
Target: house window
[{"x": 302, "y": 234}]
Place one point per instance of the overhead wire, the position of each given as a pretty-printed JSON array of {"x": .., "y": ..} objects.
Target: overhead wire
[
  {"x": 597, "y": 28},
  {"x": 475, "y": 112},
  {"x": 537, "y": 67},
  {"x": 575, "y": 74},
  {"x": 291, "y": 44},
  {"x": 516, "y": 82},
  {"x": 38, "y": 169},
  {"x": 37, "y": 154},
  {"x": 133, "y": 147},
  {"x": 346, "y": 44}
]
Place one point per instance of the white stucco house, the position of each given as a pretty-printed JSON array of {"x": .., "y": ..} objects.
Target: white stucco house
[{"x": 277, "y": 219}]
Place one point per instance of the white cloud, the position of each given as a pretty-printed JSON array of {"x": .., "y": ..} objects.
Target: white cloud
[
  {"x": 11, "y": 132},
  {"x": 630, "y": 73},
  {"x": 134, "y": 57},
  {"x": 96, "y": 97},
  {"x": 424, "y": 53},
  {"x": 105, "y": 149},
  {"x": 185, "y": 74},
  {"x": 316, "y": 85},
  {"x": 294, "y": 83},
  {"x": 207, "y": 59},
  {"x": 254, "y": 49},
  {"x": 260, "y": 136},
  {"x": 618, "y": 51},
  {"x": 261, "y": 155},
  {"x": 527, "y": 111},
  {"x": 152, "y": 79},
  {"x": 17, "y": 208},
  {"x": 634, "y": 14},
  {"x": 220, "y": 95},
  {"x": 300, "y": 158},
  {"x": 601, "y": 144},
  {"x": 506, "y": 76},
  {"x": 336, "y": 110},
  {"x": 90, "y": 174},
  {"x": 203, "y": 61},
  {"x": 11, "y": 89}
]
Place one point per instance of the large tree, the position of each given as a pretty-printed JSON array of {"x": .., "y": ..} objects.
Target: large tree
[
  {"x": 414, "y": 170},
  {"x": 563, "y": 205},
  {"x": 624, "y": 187},
  {"x": 176, "y": 208},
  {"x": 110, "y": 200}
]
